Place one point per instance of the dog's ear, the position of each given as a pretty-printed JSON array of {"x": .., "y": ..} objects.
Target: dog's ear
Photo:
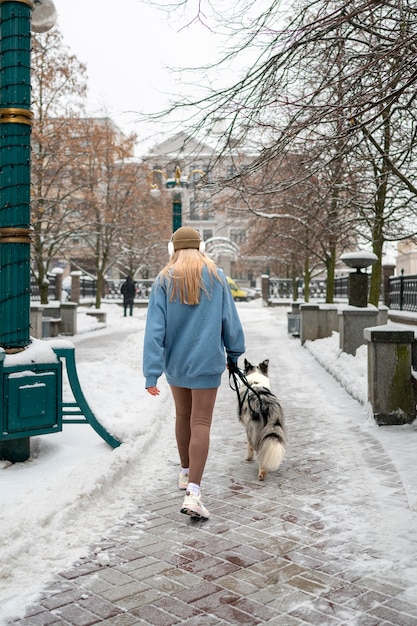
[
  {"x": 247, "y": 366},
  {"x": 264, "y": 367}
]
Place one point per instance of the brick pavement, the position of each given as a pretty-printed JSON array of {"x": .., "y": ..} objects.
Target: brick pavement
[{"x": 307, "y": 546}]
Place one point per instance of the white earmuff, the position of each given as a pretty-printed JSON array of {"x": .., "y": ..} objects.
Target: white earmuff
[
  {"x": 202, "y": 247},
  {"x": 171, "y": 248}
]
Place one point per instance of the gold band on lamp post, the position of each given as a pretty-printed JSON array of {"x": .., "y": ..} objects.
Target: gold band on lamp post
[
  {"x": 15, "y": 235},
  {"x": 15, "y": 115}
]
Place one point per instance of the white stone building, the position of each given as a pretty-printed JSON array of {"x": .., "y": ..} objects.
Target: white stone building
[{"x": 204, "y": 206}]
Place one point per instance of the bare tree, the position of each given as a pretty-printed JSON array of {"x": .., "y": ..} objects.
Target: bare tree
[
  {"x": 59, "y": 84},
  {"x": 118, "y": 223},
  {"x": 335, "y": 76},
  {"x": 301, "y": 223},
  {"x": 102, "y": 193},
  {"x": 89, "y": 195},
  {"x": 143, "y": 223}
]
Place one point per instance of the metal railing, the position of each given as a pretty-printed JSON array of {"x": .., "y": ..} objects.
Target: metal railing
[
  {"x": 402, "y": 289},
  {"x": 403, "y": 292},
  {"x": 283, "y": 288},
  {"x": 143, "y": 288},
  {"x": 341, "y": 287},
  {"x": 34, "y": 288},
  {"x": 87, "y": 287},
  {"x": 280, "y": 288}
]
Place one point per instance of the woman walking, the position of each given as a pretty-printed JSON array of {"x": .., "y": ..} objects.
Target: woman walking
[{"x": 192, "y": 323}]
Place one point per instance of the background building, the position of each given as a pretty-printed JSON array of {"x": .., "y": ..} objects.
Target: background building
[
  {"x": 206, "y": 206},
  {"x": 407, "y": 257}
]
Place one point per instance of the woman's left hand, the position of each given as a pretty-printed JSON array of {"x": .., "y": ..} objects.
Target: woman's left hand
[{"x": 154, "y": 391}]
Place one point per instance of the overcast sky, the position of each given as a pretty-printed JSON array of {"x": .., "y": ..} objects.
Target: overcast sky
[{"x": 129, "y": 48}]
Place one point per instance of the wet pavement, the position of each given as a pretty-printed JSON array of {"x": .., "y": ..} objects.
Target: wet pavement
[{"x": 326, "y": 540}]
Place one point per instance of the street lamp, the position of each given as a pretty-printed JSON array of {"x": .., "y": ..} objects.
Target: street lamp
[
  {"x": 31, "y": 400},
  {"x": 20, "y": 402},
  {"x": 43, "y": 15},
  {"x": 176, "y": 184}
]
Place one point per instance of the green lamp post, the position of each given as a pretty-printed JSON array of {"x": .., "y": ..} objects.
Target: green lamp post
[
  {"x": 177, "y": 183},
  {"x": 15, "y": 130},
  {"x": 16, "y": 21},
  {"x": 30, "y": 390},
  {"x": 176, "y": 209},
  {"x": 24, "y": 396}
]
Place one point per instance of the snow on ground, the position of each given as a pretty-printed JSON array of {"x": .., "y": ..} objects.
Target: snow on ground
[
  {"x": 74, "y": 486},
  {"x": 352, "y": 372}
]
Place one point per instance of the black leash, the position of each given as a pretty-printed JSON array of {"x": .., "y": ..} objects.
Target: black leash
[{"x": 235, "y": 373}]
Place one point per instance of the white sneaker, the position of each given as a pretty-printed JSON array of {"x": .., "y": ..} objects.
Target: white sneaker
[
  {"x": 182, "y": 481},
  {"x": 193, "y": 507}
]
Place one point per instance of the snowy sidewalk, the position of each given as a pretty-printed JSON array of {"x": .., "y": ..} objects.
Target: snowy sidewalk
[{"x": 329, "y": 539}]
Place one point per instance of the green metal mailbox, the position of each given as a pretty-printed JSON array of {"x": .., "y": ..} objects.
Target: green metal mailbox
[{"x": 31, "y": 400}]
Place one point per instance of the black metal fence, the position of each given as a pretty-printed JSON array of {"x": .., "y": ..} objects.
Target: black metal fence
[
  {"x": 143, "y": 288},
  {"x": 283, "y": 288},
  {"x": 88, "y": 288},
  {"x": 280, "y": 288},
  {"x": 403, "y": 292},
  {"x": 34, "y": 288},
  {"x": 402, "y": 289},
  {"x": 341, "y": 287}
]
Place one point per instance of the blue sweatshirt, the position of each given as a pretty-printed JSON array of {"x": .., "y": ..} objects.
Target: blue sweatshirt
[{"x": 188, "y": 342}]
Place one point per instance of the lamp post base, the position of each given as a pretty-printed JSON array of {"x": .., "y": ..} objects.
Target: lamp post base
[{"x": 15, "y": 450}]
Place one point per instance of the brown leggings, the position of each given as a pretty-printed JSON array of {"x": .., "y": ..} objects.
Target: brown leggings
[{"x": 194, "y": 412}]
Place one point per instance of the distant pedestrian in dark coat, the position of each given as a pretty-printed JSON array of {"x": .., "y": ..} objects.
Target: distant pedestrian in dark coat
[{"x": 128, "y": 291}]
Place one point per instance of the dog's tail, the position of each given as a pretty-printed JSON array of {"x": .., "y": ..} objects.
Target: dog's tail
[{"x": 271, "y": 451}]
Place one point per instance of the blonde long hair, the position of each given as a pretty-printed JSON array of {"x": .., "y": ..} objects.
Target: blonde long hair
[{"x": 184, "y": 273}]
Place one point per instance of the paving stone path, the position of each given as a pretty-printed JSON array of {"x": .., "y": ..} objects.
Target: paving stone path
[{"x": 326, "y": 540}]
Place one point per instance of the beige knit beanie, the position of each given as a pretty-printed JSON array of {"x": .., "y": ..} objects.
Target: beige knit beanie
[{"x": 186, "y": 237}]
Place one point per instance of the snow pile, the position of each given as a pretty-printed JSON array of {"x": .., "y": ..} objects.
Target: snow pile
[{"x": 351, "y": 371}]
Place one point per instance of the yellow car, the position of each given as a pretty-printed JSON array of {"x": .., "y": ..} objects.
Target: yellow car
[{"x": 237, "y": 293}]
